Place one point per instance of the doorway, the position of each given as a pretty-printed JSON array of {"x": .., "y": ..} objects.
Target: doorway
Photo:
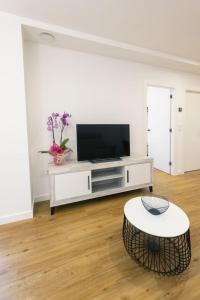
[
  {"x": 192, "y": 132},
  {"x": 159, "y": 131}
]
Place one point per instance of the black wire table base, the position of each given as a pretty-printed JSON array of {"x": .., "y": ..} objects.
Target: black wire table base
[{"x": 166, "y": 256}]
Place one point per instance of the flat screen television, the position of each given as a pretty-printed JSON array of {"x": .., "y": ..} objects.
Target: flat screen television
[{"x": 102, "y": 141}]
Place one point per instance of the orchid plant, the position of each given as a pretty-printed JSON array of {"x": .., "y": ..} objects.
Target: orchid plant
[{"x": 59, "y": 122}]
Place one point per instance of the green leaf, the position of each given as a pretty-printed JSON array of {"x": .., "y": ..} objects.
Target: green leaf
[{"x": 63, "y": 144}]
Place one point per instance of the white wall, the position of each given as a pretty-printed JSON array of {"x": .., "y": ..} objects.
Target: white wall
[
  {"x": 15, "y": 193},
  {"x": 95, "y": 89},
  {"x": 192, "y": 132}
]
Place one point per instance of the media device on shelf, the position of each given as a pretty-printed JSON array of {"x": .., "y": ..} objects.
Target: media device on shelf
[{"x": 102, "y": 142}]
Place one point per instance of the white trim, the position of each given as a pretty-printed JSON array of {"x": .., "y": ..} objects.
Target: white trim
[
  {"x": 177, "y": 173},
  {"x": 41, "y": 198},
  {"x": 196, "y": 91},
  {"x": 16, "y": 217}
]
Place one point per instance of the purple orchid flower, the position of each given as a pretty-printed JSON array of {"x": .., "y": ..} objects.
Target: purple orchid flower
[
  {"x": 55, "y": 114},
  {"x": 49, "y": 124},
  {"x": 66, "y": 115},
  {"x": 55, "y": 121},
  {"x": 64, "y": 121}
]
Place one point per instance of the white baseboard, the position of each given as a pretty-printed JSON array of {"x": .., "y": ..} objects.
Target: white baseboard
[
  {"x": 41, "y": 198},
  {"x": 16, "y": 217},
  {"x": 179, "y": 172}
]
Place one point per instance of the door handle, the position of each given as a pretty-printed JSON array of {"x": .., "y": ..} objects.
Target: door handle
[
  {"x": 127, "y": 176},
  {"x": 88, "y": 182},
  {"x": 148, "y": 129}
]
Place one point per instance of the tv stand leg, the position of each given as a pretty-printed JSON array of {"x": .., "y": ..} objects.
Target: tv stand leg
[
  {"x": 53, "y": 210},
  {"x": 151, "y": 189}
]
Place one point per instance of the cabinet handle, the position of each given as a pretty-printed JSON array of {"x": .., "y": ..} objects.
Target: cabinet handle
[
  {"x": 88, "y": 182},
  {"x": 127, "y": 173}
]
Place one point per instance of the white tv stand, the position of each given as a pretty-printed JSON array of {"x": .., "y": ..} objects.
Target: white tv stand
[{"x": 78, "y": 181}]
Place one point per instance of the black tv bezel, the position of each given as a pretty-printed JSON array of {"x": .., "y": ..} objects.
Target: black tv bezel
[{"x": 96, "y": 124}]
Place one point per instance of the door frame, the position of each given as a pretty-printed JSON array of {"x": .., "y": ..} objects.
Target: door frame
[{"x": 172, "y": 135}]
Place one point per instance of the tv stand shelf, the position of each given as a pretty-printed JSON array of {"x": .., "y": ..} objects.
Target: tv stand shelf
[
  {"x": 107, "y": 173},
  {"x": 108, "y": 178},
  {"x": 100, "y": 178},
  {"x": 78, "y": 181},
  {"x": 106, "y": 185}
]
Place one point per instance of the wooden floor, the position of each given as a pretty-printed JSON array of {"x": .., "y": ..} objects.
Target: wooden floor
[{"x": 78, "y": 253}]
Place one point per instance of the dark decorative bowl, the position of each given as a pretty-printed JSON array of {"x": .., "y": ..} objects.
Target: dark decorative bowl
[{"x": 155, "y": 205}]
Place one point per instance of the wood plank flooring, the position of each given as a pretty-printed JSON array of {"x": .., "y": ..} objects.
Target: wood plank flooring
[{"x": 78, "y": 253}]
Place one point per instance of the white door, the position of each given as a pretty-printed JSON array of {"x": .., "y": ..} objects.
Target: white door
[
  {"x": 138, "y": 174},
  {"x": 192, "y": 132},
  {"x": 159, "y": 126},
  {"x": 70, "y": 185}
]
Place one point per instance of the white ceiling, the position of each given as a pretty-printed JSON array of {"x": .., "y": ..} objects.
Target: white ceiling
[{"x": 169, "y": 26}]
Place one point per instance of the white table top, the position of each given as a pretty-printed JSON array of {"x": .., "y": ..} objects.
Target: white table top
[
  {"x": 172, "y": 223},
  {"x": 76, "y": 166}
]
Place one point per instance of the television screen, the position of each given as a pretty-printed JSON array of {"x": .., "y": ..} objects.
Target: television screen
[{"x": 102, "y": 141}]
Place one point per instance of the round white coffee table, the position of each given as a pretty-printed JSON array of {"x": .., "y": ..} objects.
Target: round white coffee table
[{"x": 160, "y": 243}]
